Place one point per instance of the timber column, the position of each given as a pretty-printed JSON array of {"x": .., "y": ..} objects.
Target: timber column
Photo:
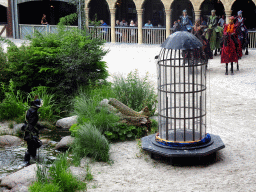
[
  {"x": 197, "y": 14},
  {"x": 9, "y": 20},
  {"x": 86, "y": 11},
  {"x": 139, "y": 14},
  {"x": 228, "y": 14},
  {"x": 168, "y": 22},
  {"x": 113, "y": 23}
]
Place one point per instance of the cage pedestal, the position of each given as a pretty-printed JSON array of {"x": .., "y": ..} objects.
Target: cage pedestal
[{"x": 149, "y": 144}]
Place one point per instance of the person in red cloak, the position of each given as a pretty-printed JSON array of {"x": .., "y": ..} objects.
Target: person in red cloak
[{"x": 231, "y": 46}]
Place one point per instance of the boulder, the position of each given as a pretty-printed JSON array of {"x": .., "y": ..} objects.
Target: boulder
[
  {"x": 64, "y": 143},
  {"x": 9, "y": 141},
  {"x": 79, "y": 172},
  {"x": 67, "y": 122},
  {"x": 20, "y": 188},
  {"x": 17, "y": 127},
  {"x": 23, "y": 177}
]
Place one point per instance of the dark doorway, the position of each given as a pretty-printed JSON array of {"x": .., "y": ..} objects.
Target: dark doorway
[
  {"x": 3, "y": 15},
  {"x": 32, "y": 12},
  {"x": 208, "y": 5},
  {"x": 99, "y": 10},
  {"x": 249, "y": 12},
  {"x": 125, "y": 9},
  {"x": 178, "y": 6},
  {"x": 154, "y": 11}
]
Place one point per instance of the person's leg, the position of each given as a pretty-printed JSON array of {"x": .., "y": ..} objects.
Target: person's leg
[
  {"x": 226, "y": 69},
  {"x": 232, "y": 72}
]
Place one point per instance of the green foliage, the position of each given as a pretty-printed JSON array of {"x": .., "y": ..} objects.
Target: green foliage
[
  {"x": 12, "y": 106},
  {"x": 58, "y": 179},
  {"x": 89, "y": 175},
  {"x": 90, "y": 142},
  {"x": 44, "y": 187},
  {"x": 50, "y": 110},
  {"x": 73, "y": 129},
  {"x": 86, "y": 106},
  {"x": 154, "y": 126},
  {"x": 58, "y": 61},
  {"x": 121, "y": 132},
  {"x": 68, "y": 20},
  {"x": 135, "y": 92}
]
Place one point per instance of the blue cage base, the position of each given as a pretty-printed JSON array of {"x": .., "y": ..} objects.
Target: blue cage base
[{"x": 155, "y": 149}]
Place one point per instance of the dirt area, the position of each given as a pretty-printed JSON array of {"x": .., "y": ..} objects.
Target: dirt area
[{"x": 231, "y": 114}]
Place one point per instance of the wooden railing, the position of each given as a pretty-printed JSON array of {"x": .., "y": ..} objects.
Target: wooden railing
[
  {"x": 3, "y": 30},
  {"x": 122, "y": 34}
]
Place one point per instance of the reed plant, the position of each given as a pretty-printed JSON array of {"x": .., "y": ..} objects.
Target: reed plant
[
  {"x": 135, "y": 92},
  {"x": 89, "y": 141},
  {"x": 57, "y": 178}
]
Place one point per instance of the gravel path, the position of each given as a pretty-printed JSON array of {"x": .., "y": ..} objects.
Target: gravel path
[{"x": 231, "y": 105}]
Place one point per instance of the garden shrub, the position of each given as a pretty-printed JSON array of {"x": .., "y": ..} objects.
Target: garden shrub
[
  {"x": 135, "y": 92},
  {"x": 90, "y": 142},
  {"x": 12, "y": 106},
  {"x": 57, "y": 179},
  {"x": 61, "y": 61}
]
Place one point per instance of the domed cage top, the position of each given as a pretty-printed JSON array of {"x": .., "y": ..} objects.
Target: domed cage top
[{"x": 182, "y": 94}]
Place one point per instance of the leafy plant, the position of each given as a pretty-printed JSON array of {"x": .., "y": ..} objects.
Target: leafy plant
[
  {"x": 90, "y": 142},
  {"x": 135, "y": 92},
  {"x": 89, "y": 175},
  {"x": 57, "y": 179},
  {"x": 12, "y": 106}
]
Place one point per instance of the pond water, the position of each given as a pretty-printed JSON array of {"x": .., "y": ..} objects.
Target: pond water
[{"x": 11, "y": 158}]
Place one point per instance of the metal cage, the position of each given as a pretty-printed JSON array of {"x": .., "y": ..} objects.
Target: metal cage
[{"x": 181, "y": 94}]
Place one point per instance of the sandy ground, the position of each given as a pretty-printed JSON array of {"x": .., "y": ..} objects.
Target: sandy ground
[
  {"x": 231, "y": 107},
  {"x": 231, "y": 114}
]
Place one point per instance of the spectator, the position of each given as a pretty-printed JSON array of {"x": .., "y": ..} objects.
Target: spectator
[
  {"x": 148, "y": 24},
  {"x": 203, "y": 22},
  {"x": 132, "y": 24},
  {"x": 123, "y": 23},
  {"x": 103, "y": 24},
  {"x": 117, "y": 23},
  {"x": 43, "y": 20},
  {"x": 222, "y": 21}
]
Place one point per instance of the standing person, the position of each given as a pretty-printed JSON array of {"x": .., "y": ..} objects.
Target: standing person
[
  {"x": 123, "y": 23},
  {"x": 43, "y": 20},
  {"x": 32, "y": 130},
  {"x": 132, "y": 24},
  {"x": 222, "y": 21},
  {"x": 148, "y": 24},
  {"x": 229, "y": 49}
]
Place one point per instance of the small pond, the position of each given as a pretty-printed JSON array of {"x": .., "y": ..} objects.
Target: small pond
[{"x": 11, "y": 158}]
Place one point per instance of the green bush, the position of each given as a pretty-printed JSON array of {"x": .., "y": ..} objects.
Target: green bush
[
  {"x": 58, "y": 61},
  {"x": 135, "y": 92},
  {"x": 58, "y": 179},
  {"x": 44, "y": 187},
  {"x": 90, "y": 142},
  {"x": 50, "y": 110},
  {"x": 12, "y": 106},
  {"x": 86, "y": 106}
]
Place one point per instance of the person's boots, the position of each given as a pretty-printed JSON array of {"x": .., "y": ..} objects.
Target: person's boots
[
  {"x": 27, "y": 159},
  {"x": 232, "y": 72},
  {"x": 237, "y": 66},
  {"x": 226, "y": 69}
]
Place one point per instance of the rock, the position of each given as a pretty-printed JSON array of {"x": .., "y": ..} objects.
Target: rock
[
  {"x": 67, "y": 122},
  {"x": 25, "y": 176},
  {"x": 64, "y": 143},
  {"x": 20, "y": 188},
  {"x": 9, "y": 140},
  {"x": 45, "y": 141},
  {"x": 17, "y": 127},
  {"x": 79, "y": 172}
]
